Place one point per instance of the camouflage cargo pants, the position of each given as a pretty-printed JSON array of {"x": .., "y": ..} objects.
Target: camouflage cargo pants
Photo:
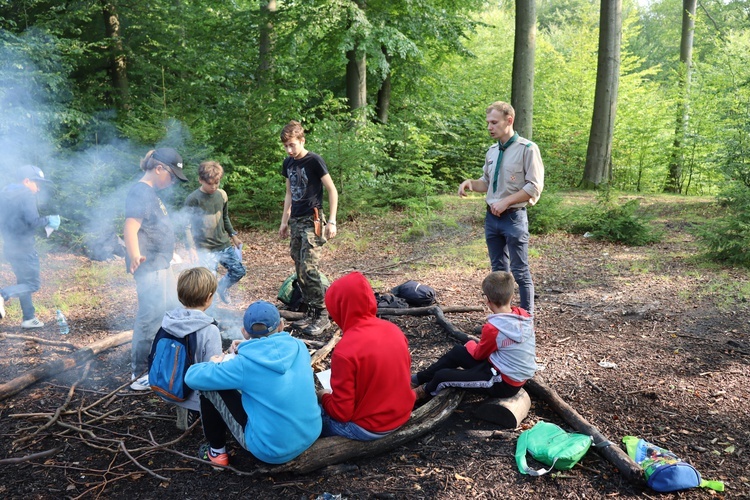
[{"x": 306, "y": 250}]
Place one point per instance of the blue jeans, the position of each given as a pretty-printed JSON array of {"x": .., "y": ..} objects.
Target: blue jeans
[
  {"x": 231, "y": 262},
  {"x": 508, "y": 243},
  {"x": 157, "y": 294},
  {"x": 349, "y": 430},
  {"x": 26, "y": 268}
]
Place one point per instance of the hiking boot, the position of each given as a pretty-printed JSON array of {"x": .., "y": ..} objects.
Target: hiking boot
[
  {"x": 140, "y": 384},
  {"x": 303, "y": 323},
  {"x": 421, "y": 394},
  {"x": 186, "y": 418},
  {"x": 318, "y": 323},
  {"x": 206, "y": 453},
  {"x": 31, "y": 323},
  {"x": 2, "y": 307}
]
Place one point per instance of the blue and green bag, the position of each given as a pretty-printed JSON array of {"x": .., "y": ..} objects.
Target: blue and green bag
[{"x": 665, "y": 471}]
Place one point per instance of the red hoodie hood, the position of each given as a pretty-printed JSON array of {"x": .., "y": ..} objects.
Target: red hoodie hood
[{"x": 350, "y": 299}]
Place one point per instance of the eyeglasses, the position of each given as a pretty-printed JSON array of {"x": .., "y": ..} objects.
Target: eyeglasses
[{"x": 172, "y": 176}]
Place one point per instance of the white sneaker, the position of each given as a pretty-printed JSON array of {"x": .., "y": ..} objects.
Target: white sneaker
[
  {"x": 2, "y": 307},
  {"x": 140, "y": 384},
  {"x": 31, "y": 323}
]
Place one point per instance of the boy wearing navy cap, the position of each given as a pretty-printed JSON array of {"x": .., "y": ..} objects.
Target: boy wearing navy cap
[
  {"x": 19, "y": 222},
  {"x": 265, "y": 395},
  {"x": 149, "y": 244}
]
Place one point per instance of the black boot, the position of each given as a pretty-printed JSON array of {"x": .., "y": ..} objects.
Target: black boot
[
  {"x": 303, "y": 323},
  {"x": 318, "y": 324}
]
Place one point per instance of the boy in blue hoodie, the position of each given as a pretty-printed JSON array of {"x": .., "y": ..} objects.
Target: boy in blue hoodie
[
  {"x": 195, "y": 290},
  {"x": 264, "y": 395},
  {"x": 503, "y": 360},
  {"x": 19, "y": 222}
]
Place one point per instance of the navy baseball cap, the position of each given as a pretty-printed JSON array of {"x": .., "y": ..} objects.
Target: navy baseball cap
[
  {"x": 31, "y": 173},
  {"x": 172, "y": 159},
  {"x": 261, "y": 313}
]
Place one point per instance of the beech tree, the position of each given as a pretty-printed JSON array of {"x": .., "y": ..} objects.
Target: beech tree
[
  {"x": 598, "y": 167},
  {"x": 674, "y": 176},
  {"x": 522, "y": 88}
]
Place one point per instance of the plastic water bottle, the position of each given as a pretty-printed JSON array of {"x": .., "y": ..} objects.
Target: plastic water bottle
[{"x": 62, "y": 323}]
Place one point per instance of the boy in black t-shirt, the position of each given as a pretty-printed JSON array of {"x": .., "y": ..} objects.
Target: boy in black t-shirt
[
  {"x": 306, "y": 176},
  {"x": 149, "y": 245}
]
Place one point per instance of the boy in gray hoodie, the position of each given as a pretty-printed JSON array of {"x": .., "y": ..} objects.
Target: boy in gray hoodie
[
  {"x": 195, "y": 289},
  {"x": 503, "y": 360}
]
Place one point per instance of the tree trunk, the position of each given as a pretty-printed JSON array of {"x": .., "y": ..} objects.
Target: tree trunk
[
  {"x": 674, "y": 176},
  {"x": 522, "y": 87},
  {"x": 384, "y": 93},
  {"x": 117, "y": 61},
  {"x": 265, "y": 44},
  {"x": 598, "y": 169},
  {"x": 356, "y": 73}
]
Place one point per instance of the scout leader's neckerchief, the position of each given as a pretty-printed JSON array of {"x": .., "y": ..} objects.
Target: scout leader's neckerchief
[{"x": 501, "y": 147}]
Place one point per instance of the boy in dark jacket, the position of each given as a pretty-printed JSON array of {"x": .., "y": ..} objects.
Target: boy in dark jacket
[{"x": 19, "y": 222}]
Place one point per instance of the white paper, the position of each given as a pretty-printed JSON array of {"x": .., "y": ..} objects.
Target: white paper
[
  {"x": 49, "y": 230},
  {"x": 324, "y": 378},
  {"x": 228, "y": 356},
  {"x": 238, "y": 251}
]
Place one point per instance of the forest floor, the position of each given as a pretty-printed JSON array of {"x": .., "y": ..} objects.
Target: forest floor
[{"x": 675, "y": 327}]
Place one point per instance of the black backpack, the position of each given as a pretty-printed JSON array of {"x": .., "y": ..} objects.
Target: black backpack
[{"x": 415, "y": 294}]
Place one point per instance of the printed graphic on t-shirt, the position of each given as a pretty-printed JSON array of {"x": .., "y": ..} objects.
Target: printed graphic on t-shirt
[{"x": 298, "y": 183}]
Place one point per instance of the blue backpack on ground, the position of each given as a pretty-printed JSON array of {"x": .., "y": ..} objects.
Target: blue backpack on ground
[
  {"x": 664, "y": 470},
  {"x": 168, "y": 362}
]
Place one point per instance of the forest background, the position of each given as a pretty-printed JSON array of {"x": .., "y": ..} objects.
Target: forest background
[{"x": 392, "y": 94}]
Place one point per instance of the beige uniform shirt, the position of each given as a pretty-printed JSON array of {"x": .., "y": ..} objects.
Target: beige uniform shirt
[{"x": 521, "y": 168}]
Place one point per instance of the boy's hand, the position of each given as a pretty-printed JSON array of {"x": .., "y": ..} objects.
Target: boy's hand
[
  {"x": 192, "y": 256},
  {"x": 233, "y": 347},
  {"x": 217, "y": 358},
  {"x": 320, "y": 393},
  {"x": 135, "y": 262},
  {"x": 284, "y": 230},
  {"x": 236, "y": 241},
  {"x": 330, "y": 230}
]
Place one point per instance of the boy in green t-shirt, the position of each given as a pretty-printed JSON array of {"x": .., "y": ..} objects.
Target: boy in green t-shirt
[{"x": 210, "y": 231}]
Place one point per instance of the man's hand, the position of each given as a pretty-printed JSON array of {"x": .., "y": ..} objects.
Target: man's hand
[
  {"x": 284, "y": 230},
  {"x": 236, "y": 242},
  {"x": 464, "y": 187},
  {"x": 499, "y": 207}
]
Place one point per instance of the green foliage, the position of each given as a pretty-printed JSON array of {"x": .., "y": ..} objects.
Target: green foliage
[
  {"x": 547, "y": 216},
  {"x": 616, "y": 223},
  {"x": 727, "y": 238}
]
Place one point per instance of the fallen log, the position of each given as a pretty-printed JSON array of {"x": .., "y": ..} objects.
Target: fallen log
[
  {"x": 611, "y": 452},
  {"x": 52, "y": 368},
  {"x": 336, "y": 449},
  {"x": 321, "y": 353},
  {"x": 387, "y": 311},
  {"x": 448, "y": 326}
]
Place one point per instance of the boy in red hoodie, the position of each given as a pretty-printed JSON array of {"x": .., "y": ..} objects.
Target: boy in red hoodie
[
  {"x": 370, "y": 393},
  {"x": 503, "y": 360}
]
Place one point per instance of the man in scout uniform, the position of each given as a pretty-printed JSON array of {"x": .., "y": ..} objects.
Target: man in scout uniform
[{"x": 512, "y": 177}]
